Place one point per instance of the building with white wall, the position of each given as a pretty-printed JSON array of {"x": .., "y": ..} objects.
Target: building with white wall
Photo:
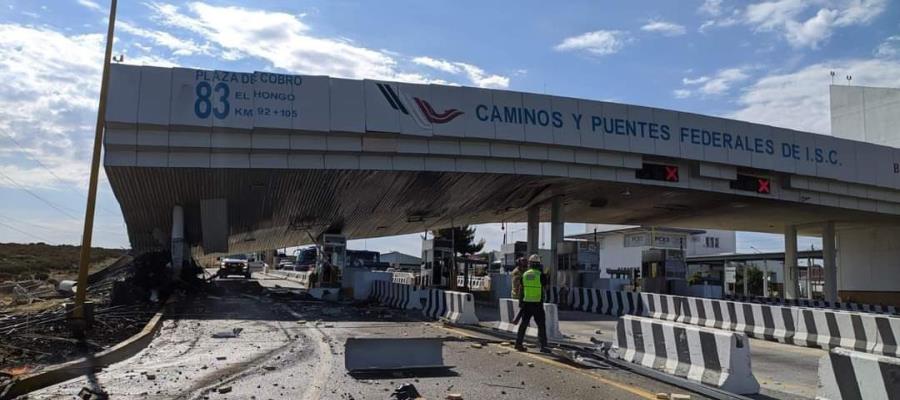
[
  {"x": 867, "y": 114},
  {"x": 622, "y": 247}
]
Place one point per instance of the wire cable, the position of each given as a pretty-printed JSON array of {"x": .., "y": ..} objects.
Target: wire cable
[{"x": 35, "y": 195}]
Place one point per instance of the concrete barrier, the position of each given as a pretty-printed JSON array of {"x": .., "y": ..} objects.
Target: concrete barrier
[
  {"x": 662, "y": 306},
  {"x": 708, "y": 356},
  {"x": 457, "y": 307},
  {"x": 510, "y": 307},
  {"x": 609, "y": 302},
  {"x": 361, "y": 281},
  {"x": 301, "y": 277},
  {"x": 558, "y": 295},
  {"x": 830, "y": 329},
  {"x": 815, "y": 303},
  {"x": 887, "y": 341},
  {"x": 851, "y": 375},
  {"x": 396, "y": 295}
]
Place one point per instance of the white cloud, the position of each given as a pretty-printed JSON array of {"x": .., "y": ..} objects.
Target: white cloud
[
  {"x": 91, "y": 4},
  {"x": 281, "y": 39},
  {"x": 800, "y": 99},
  {"x": 711, "y": 7},
  {"x": 681, "y": 93},
  {"x": 48, "y": 98},
  {"x": 664, "y": 27},
  {"x": 719, "y": 83},
  {"x": 476, "y": 75},
  {"x": 178, "y": 46},
  {"x": 597, "y": 42},
  {"x": 889, "y": 48},
  {"x": 791, "y": 18}
]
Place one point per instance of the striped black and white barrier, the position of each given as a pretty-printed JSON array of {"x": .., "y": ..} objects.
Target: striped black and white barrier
[
  {"x": 609, "y": 302},
  {"x": 508, "y": 310},
  {"x": 852, "y": 375},
  {"x": 457, "y": 307},
  {"x": 397, "y": 295},
  {"x": 709, "y": 356},
  {"x": 830, "y": 329},
  {"x": 557, "y": 295},
  {"x": 662, "y": 306},
  {"x": 763, "y": 321},
  {"x": 815, "y": 303}
]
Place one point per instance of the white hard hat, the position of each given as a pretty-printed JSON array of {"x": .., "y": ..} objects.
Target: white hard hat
[{"x": 534, "y": 258}]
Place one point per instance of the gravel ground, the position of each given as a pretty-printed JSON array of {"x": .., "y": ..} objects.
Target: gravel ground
[{"x": 292, "y": 348}]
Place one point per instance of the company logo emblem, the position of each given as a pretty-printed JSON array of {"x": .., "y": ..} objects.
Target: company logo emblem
[{"x": 419, "y": 109}]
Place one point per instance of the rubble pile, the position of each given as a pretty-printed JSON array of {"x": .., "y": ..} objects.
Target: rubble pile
[{"x": 123, "y": 295}]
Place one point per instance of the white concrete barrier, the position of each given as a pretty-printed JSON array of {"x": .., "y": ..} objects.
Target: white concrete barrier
[
  {"x": 396, "y": 295},
  {"x": 603, "y": 301},
  {"x": 661, "y": 306},
  {"x": 510, "y": 307},
  {"x": 361, "y": 281},
  {"x": 457, "y": 307},
  {"x": 851, "y": 375},
  {"x": 887, "y": 341},
  {"x": 830, "y": 329},
  {"x": 301, "y": 277},
  {"x": 709, "y": 356}
]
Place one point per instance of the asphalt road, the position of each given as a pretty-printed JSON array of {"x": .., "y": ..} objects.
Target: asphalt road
[
  {"x": 783, "y": 371},
  {"x": 291, "y": 347}
]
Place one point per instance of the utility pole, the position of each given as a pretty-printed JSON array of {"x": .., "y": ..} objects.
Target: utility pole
[{"x": 79, "y": 322}]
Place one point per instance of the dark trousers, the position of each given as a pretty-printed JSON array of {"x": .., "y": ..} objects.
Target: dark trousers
[{"x": 528, "y": 311}]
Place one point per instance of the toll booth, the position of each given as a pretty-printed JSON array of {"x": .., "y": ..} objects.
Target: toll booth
[
  {"x": 578, "y": 263},
  {"x": 437, "y": 258},
  {"x": 663, "y": 271},
  {"x": 331, "y": 259}
]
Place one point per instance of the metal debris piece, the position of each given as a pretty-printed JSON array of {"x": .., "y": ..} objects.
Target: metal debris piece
[
  {"x": 224, "y": 389},
  {"x": 228, "y": 334},
  {"x": 406, "y": 391}
]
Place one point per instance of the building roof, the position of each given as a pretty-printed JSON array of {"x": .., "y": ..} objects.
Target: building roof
[
  {"x": 634, "y": 229},
  {"x": 400, "y": 258},
  {"x": 716, "y": 258}
]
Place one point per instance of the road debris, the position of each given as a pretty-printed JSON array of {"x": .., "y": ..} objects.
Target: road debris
[
  {"x": 406, "y": 391},
  {"x": 224, "y": 389},
  {"x": 228, "y": 334}
]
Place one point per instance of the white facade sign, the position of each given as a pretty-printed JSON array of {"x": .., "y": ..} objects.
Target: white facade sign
[{"x": 222, "y": 101}]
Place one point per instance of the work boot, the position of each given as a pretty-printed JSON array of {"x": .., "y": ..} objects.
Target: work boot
[
  {"x": 545, "y": 350},
  {"x": 519, "y": 347}
]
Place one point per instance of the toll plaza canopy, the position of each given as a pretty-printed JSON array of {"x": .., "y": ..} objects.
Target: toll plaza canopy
[{"x": 262, "y": 161}]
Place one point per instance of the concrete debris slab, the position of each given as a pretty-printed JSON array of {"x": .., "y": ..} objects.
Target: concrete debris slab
[{"x": 383, "y": 354}]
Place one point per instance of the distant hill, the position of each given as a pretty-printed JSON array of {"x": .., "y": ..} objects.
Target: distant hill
[{"x": 40, "y": 260}]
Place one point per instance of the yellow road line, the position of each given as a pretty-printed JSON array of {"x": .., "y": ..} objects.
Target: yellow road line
[{"x": 631, "y": 389}]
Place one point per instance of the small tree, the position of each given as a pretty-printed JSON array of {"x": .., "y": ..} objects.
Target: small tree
[{"x": 463, "y": 238}]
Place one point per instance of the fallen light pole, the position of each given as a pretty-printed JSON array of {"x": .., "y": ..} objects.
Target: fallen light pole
[{"x": 80, "y": 319}]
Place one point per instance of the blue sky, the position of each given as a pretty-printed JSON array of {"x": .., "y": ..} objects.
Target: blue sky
[{"x": 764, "y": 62}]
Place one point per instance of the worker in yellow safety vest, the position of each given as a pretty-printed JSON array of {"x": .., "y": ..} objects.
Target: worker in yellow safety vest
[{"x": 531, "y": 303}]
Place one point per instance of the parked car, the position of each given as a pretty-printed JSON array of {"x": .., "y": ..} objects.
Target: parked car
[{"x": 234, "y": 266}]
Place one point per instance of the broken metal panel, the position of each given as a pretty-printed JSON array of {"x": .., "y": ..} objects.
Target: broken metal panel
[{"x": 379, "y": 354}]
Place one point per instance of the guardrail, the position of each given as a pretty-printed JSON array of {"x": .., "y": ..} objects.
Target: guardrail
[{"x": 476, "y": 283}]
